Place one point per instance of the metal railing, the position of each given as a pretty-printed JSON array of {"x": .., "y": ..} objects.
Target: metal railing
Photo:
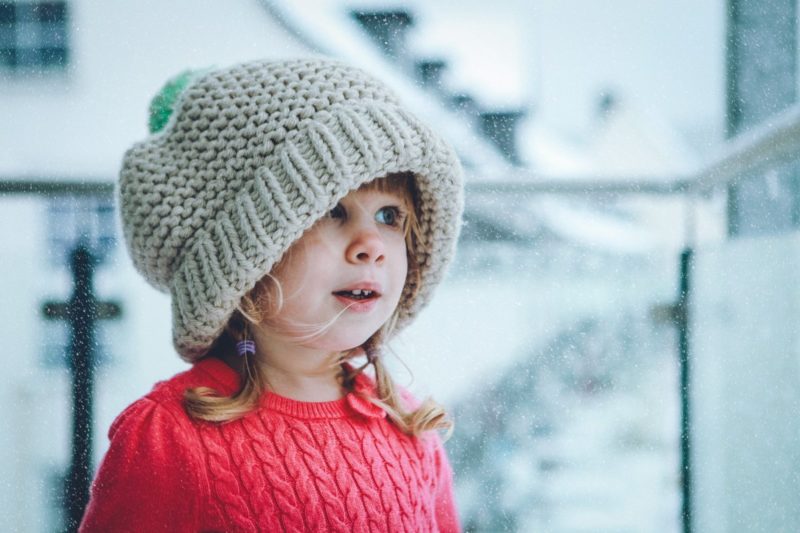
[{"x": 776, "y": 141}]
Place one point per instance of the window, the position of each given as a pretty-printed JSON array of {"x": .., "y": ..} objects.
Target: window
[
  {"x": 70, "y": 219},
  {"x": 33, "y": 35}
]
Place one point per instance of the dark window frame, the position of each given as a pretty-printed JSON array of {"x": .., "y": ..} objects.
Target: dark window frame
[{"x": 34, "y": 35}]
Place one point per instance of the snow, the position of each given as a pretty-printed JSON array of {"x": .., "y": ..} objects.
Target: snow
[
  {"x": 595, "y": 228},
  {"x": 578, "y": 435},
  {"x": 464, "y": 335}
]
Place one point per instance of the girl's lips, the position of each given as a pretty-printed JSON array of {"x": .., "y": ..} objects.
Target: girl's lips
[
  {"x": 362, "y": 305},
  {"x": 358, "y": 302},
  {"x": 362, "y": 285}
]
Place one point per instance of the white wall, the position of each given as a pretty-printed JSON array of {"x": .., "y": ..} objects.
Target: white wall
[
  {"x": 745, "y": 391},
  {"x": 121, "y": 53}
]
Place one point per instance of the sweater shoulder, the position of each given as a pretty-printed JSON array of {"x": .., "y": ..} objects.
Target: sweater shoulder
[
  {"x": 165, "y": 401},
  {"x": 152, "y": 435},
  {"x": 171, "y": 391}
]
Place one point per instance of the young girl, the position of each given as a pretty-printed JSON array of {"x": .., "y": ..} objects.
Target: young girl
[{"x": 298, "y": 217}]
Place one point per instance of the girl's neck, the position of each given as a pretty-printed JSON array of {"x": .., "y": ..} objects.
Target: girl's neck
[
  {"x": 305, "y": 387},
  {"x": 296, "y": 372}
]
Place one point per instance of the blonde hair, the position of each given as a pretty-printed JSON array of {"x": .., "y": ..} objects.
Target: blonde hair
[{"x": 265, "y": 299}]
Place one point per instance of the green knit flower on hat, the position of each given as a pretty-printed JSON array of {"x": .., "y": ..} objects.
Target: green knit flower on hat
[{"x": 163, "y": 104}]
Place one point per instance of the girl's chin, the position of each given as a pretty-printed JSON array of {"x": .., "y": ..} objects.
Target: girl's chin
[
  {"x": 342, "y": 343},
  {"x": 345, "y": 334}
]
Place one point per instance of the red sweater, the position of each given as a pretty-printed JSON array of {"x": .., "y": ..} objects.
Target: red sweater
[{"x": 287, "y": 466}]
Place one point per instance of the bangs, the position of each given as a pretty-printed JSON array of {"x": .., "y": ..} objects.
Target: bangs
[{"x": 401, "y": 183}]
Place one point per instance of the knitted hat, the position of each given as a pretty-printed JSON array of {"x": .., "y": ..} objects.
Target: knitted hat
[{"x": 250, "y": 158}]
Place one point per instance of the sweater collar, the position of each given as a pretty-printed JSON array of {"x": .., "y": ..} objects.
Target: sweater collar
[{"x": 226, "y": 381}]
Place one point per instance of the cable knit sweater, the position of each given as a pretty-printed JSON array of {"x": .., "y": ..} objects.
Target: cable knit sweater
[{"x": 287, "y": 466}]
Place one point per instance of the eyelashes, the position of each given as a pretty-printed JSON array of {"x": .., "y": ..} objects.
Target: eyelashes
[{"x": 337, "y": 212}]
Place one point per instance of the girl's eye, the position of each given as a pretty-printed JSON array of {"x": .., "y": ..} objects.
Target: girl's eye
[
  {"x": 337, "y": 212},
  {"x": 389, "y": 215}
]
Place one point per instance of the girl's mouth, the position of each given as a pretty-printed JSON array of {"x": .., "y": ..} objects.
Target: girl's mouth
[
  {"x": 358, "y": 299},
  {"x": 357, "y": 294}
]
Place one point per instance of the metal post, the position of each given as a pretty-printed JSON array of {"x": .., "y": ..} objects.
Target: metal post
[
  {"x": 82, "y": 312},
  {"x": 682, "y": 318},
  {"x": 83, "y": 315}
]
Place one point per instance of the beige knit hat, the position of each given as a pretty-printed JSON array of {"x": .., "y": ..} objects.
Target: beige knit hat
[{"x": 249, "y": 159}]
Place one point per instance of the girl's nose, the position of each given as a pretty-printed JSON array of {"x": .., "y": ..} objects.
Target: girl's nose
[{"x": 366, "y": 246}]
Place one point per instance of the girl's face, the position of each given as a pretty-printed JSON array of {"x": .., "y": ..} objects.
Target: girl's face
[{"x": 342, "y": 280}]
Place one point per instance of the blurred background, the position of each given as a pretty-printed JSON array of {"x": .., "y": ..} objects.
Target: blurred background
[{"x": 617, "y": 338}]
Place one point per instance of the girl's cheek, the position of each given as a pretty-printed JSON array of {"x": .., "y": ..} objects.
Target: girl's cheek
[{"x": 395, "y": 233}]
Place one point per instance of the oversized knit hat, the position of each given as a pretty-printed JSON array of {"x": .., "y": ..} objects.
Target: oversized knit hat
[{"x": 250, "y": 158}]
